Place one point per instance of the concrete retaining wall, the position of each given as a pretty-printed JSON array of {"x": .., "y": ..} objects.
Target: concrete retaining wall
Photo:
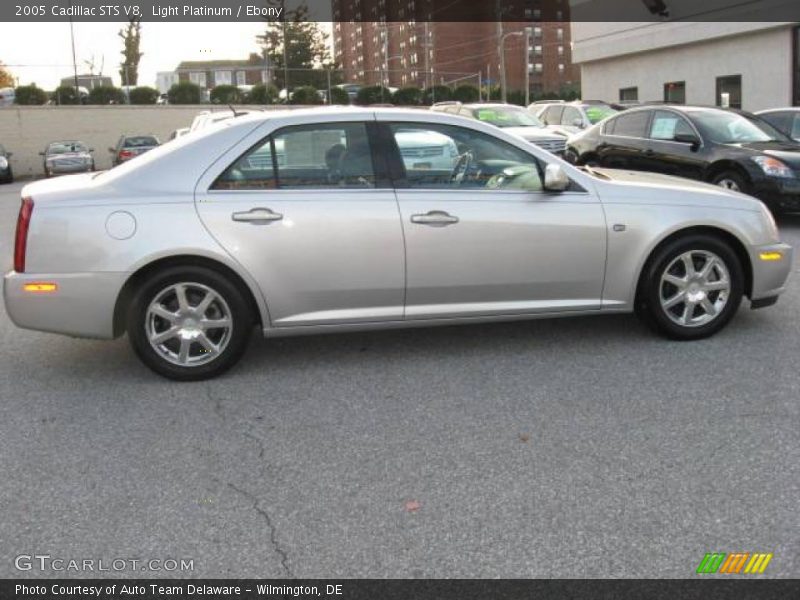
[{"x": 26, "y": 130}]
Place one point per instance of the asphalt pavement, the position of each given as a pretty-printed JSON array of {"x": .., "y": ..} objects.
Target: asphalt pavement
[{"x": 583, "y": 447}]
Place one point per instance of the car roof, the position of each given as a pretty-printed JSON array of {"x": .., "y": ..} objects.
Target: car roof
[{"x": 774, "y": 110}]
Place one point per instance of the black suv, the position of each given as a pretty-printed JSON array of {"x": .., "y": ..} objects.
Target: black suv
[{"x": 729, "y": 148}]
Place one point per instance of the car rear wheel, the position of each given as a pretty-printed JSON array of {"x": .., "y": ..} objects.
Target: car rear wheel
[
  {"x": 189, "y": 323},
  {"x": 731, "y": 180},
  {"x": 691, "y": 288}
]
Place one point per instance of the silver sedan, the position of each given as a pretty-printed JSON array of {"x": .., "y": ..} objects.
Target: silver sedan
[{"x": 311, "y": 221}]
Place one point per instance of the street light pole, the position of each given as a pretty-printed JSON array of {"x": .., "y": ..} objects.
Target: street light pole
[
  {"x": 501, "y": 50},
  {"x": 74, "y": 60},
  {"x": 528, "y": 32}
]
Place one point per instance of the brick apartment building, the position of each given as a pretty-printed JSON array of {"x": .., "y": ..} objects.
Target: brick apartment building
[{"x": 406, "y": 44}]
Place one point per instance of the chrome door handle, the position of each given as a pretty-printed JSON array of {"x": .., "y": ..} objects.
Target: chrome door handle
[
  {"x": 257, "y": 215},
  {"x": 435, "y": 218}
]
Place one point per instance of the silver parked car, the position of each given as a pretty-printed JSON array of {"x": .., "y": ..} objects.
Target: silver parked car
[
  {"x": 189, "y": 246},
  {"x": 67, "y": 157},
  {"x": 514, "y": 119}
]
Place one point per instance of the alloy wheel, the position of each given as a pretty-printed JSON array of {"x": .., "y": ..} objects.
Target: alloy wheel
[
  {"x": 188, "y": 324},
  {"x": 694, "y": 288},
  {"x": 729, "y": 184}
]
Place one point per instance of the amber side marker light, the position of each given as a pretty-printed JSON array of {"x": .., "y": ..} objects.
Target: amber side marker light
[
  {"x": 40, "y": 287},
  {"x": 770, "y": 256}
]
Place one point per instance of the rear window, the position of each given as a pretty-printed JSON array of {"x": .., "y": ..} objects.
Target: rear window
[
  {"x": 630, "y": 124},
  {"x": 140, "y": 141}
]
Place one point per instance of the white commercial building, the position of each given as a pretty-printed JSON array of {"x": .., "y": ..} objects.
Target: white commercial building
[{"x": 749, "y": 65}]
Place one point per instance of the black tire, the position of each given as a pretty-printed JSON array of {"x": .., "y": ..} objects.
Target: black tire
[
  {"x": 233, "y": 341},
  {"x": 652, "y": 289},
  {"x": 571, "y": 156},
  {"x": 729, "y": 179}
]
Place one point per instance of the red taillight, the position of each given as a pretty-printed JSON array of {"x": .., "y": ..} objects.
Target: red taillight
[
  {"x": 125, "y": 154},
  {"x": 21, "y": 239}
]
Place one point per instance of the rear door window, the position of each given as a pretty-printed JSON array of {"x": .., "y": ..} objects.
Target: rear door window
[
  {"x": 632, "y": 124},
  {"x": 330, "y": 155},
  {"x": 666, "y": 125}
]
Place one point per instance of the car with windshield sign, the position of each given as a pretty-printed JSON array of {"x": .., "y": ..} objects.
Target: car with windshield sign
[
  {"x": 568, "y": 118},
  {"x": 725, "y": 147}
]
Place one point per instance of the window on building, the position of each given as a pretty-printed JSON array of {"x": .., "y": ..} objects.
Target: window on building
[
  {"x": 241, "y": 78},
  {"x": 561, "y": 50},
  {"x": 198, "y": 78},
  {"x": 796, "y": 67},
  {"x": 560, "y": 34},
  {"x": 538, "y": 67},
  {"x": 629, "y": 94},
  {"x": 675, "y": 92},
  {"x": 537, "y": 50},
  {"x": 729, "y": 91},
  {"x": 222, "y": 78},
  {"x": 561, "y": 68},
  {"x": 537, "y": 32}
]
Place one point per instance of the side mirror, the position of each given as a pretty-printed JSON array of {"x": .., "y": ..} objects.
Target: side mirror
[
  {"x": 578, "y": 123},
  {"x": 9, "y": 154},
  {"x": 91, "y": 149},
  {"x": 112, "y": 150},
  {"x": 41, "y": 153},
  {"x": 687, "y": 138},
  {"x": 555, "y": 179}
]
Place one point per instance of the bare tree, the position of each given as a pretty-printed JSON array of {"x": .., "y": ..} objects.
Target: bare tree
[{"x": 131, "y": 36}]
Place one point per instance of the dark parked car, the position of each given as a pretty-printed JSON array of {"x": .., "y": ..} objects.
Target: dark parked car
[
  {"x": 726, "y": 147},
  {"x": 67, "y": 157},
  {"x": 6, "y": 175},
  {"x": 785, "y": 120},
  {"x": 131, "y": 146}
]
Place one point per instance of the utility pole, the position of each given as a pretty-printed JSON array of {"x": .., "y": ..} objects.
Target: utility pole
[
  {"x": 74, "y": 60},
  {"x": 528, "y": 32},
  {"x": 502, "y": 51}
]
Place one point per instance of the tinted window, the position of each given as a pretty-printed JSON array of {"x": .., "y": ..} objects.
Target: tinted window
[
  {"x": 552, "y": 116},
  {"x": 140, "y": 141},
  {"x": 502, "y": 116},
  {"x": 631, "y": 124},
  {"x": 786, "y": 122},
  {"x": 675, "y": 92},
  {"x": 666, "y": 125},
  {"x": 449, "y": 157},
  {"x": 729, "y": 91},
  {"x": 335, "y": 155},
  {"x": 732, "y": 128},
  {"x": 570, "y": 115}
]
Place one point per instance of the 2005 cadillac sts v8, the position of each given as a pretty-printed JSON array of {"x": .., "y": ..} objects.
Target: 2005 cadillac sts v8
[{"x": 321, "y": 220}]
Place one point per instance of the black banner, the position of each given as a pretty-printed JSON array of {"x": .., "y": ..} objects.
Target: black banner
[
  {"x": 406, "y": 589},
  {"x": 401, "y": 10}
]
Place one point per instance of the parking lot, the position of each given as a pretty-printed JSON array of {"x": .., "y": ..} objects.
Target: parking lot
[{"x": 567, "y": 448}]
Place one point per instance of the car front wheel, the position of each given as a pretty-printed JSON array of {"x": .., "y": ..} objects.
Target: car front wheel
[
  {"x": 731, "y": 180},
  {"x": 691, "y": 288},
  {"x": 189, "y": 323}
]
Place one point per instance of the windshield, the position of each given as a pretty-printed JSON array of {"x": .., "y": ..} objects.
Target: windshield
[
  {"x": 140, "y": 141},
  {"x": 597, "y": 112},
  {"x": 734, "y": 128},
  {"x": 65, "y": 147},
  {"x": 502, "y": 116}
]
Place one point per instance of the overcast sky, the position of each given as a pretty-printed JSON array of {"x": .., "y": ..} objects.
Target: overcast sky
[{"x": 46, "y": 51}]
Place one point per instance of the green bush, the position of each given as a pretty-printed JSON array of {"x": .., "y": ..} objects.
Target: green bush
[
  {"x": 372, "y": 95},
  {"x": 30, "y": 94},
  {"x": 339, "y": 96},
  {"x": 407, "y": 96},
  {"x": 184, "y": 92},
  {"x": 305, "y": 94},
  {"x": 143, "y": 95},
  {"x": 437, "y": 93},
  {"x": 106, "y": 94},
  {"x": 226, "y": 94},
  {"x": 466, "y": 93},
  {"x": 263, "y": 94},
  {"x": 66, "y": 94}
]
